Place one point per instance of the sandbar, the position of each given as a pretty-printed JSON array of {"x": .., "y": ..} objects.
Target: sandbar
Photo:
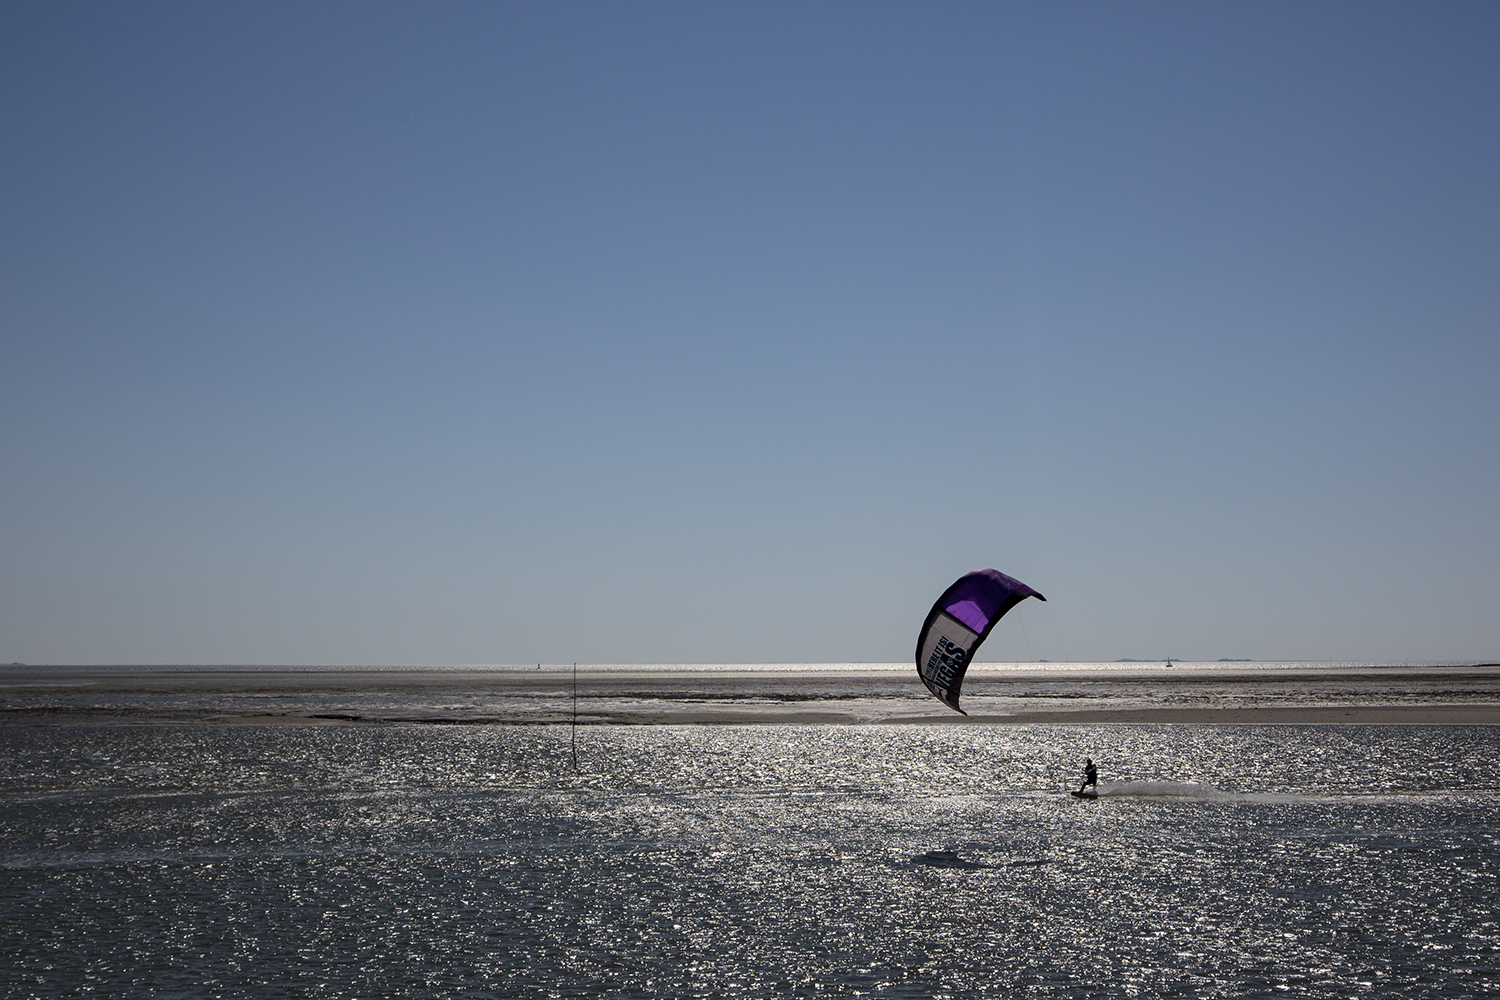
[{"x": 1459, "y": 694}]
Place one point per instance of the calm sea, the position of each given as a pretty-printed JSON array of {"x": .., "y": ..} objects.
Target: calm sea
[{"x": 754, "y": 861}]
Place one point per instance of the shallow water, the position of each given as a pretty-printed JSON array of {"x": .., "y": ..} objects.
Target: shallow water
[
  {"x": 755, "y": 861},
  {"x": 741, "y": 693}
]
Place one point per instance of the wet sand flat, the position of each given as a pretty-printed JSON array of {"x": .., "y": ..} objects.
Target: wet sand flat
[{"x": 877, "y": 694}]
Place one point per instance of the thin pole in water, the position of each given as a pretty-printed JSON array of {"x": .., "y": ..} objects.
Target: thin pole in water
[{"x": 575, "y": 718}]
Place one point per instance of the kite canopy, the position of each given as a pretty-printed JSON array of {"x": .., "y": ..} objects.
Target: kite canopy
[{"x": 958, "y": 623}]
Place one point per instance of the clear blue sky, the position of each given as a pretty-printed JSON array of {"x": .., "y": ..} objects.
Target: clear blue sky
[{"x": 686, "y": 332}]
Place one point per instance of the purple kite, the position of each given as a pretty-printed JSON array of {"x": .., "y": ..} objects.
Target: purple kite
[{"x": 959, "y": 621}]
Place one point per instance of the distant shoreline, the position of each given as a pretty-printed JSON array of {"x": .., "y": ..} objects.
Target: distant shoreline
[
  {"x": 1070, "y": 667},
  {"x": 881, "y": 694}
]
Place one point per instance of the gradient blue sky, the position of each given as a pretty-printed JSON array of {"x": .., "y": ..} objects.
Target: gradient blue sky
[{"x": 699, "y": 332}]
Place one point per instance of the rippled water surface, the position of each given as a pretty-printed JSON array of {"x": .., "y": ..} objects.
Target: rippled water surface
[{"x": 903, "y": 861}]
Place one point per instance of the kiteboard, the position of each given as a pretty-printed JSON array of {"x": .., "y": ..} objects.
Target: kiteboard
[{"x": 1084, "y": 795}]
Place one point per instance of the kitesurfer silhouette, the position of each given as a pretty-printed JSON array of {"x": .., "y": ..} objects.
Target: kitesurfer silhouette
[{"x": 1090, "y": 775}]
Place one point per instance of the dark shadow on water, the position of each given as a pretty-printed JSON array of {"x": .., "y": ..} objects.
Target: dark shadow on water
[
  {"x": 946, "y": 859},
  {"x": 951, "y": 859}
]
